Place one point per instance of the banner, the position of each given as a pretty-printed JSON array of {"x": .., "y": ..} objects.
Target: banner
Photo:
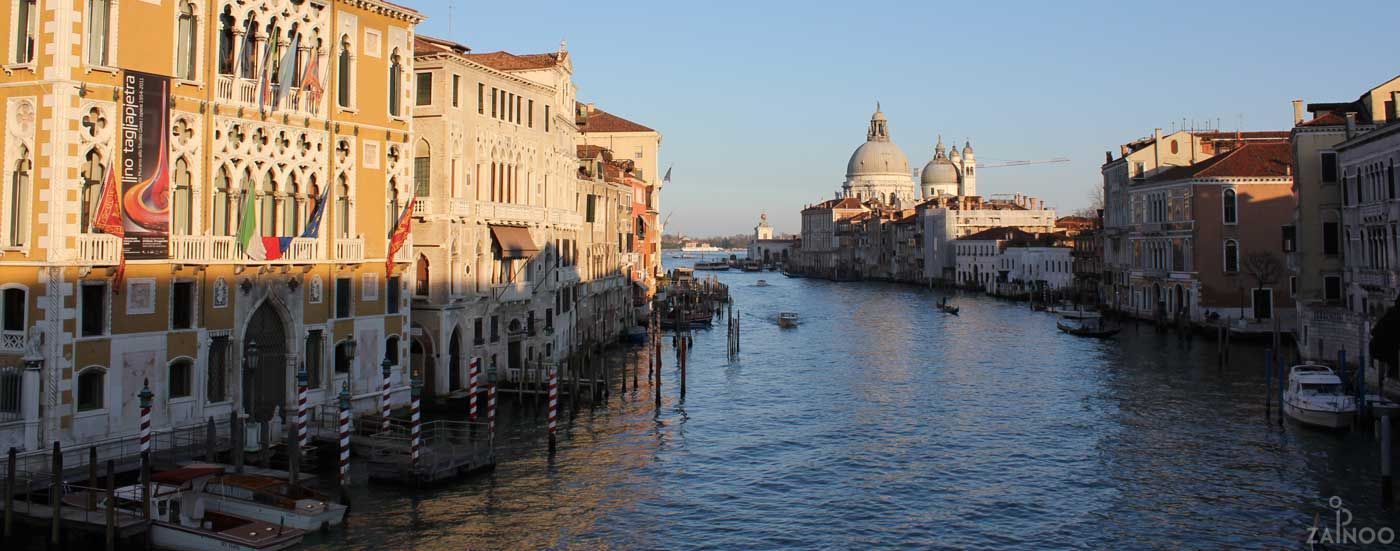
[{"x": 145, "y": 173}]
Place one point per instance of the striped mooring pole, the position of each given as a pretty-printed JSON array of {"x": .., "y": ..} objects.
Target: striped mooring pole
[
  {"x": 302, "y": 435},
  {"x": 416, "y": 420},
  {"x": 145, "y": 396},
  {"x": 472, "y": 372},
  {"x": 553, "y": 404},
  {"x": 345, "y": 437},
  {"x": 491, "y": 412},
  {"x": 384, "y": 409}
]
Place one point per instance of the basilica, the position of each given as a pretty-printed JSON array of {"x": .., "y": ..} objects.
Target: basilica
[{"x": 879, "y": 170}]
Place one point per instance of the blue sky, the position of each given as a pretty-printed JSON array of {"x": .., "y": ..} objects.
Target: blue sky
[{"x": 762, "y": 103}]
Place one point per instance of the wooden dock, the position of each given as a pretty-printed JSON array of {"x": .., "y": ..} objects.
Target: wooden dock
[
  {"x": 448, "y": 449},
  {"x": 89, "y": 521}
]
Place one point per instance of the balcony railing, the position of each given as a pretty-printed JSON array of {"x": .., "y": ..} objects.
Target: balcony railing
[
  {"x": 462, "y": 207},
  {"x": 243, "y": 92},
  {"x": 349, "y": 249},
  {"x": 423, "y": 206},
  {"x": 13, "y": 341},
  {"x": 510, "y": 213},
  {"x": 511, "y": 292},
  {"x": 99, "y": 249}
]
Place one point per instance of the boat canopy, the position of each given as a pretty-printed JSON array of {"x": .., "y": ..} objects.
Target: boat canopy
[{"x": 185, "y": 474}]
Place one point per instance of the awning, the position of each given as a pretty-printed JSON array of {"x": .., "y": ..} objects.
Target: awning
[{"x": 515, "y": 242}]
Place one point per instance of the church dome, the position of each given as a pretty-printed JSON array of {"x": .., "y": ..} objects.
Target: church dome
[
  {"x": 878, "y": 155},
  {"x": 940, "y": 170}
]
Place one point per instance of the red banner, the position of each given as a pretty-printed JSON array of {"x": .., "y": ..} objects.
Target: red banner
[
  {"x": 401, "y": 231},
  {"x": 145, "y": 173}
]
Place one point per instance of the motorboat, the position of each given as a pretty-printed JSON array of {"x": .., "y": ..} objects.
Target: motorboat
[
  {"x": 272, "y": 499},
  {"x": 761, "y": 283},
  {"x": 794, "y": 275},
  {"x": 1081, "y": 326},
  {"x": 716, "y": 266},
  {"x": 787, "y": 320},
  {"x": 1315, "y": 397},
  {"x": 1073, "y": 313},
  {"x": 183, "y": 518},
  {"x": 752, "y": 266},
  {"x": 946, "y": 307}
]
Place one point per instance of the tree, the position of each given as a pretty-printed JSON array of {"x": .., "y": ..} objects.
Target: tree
[
  {"x": 1265, "y": 267},
  {"x": 1095, "y": 204}
]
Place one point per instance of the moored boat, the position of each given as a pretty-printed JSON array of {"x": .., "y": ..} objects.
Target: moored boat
[
  {"x": 1094, "y": 327},
  {"x": 1314, "y": 396},
  {"x": 787, "y": 320},
  {"x": 272, "y": 500},
  {"x": 717, "y": 266},
  {"x": 182, "y": 519},
  {"x": 761, "y": 283}
]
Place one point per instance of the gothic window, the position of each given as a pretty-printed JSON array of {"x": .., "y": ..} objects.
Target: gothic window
[
  {"x": 188, "y": 46},
  {"x": 313, "y": 198},
  {"x": 99, "y": 21},
  {"x": 292, "y": 218},
  {"x": 342, "y": 207},
  {"x": 182, "y": 195},
  {"x": 19, "y": 187},
  {"x": 223, "y": 203},
  {"x": 92, "y": 175},
  {"x": 267, "y": 207},
  {"x": 1231, "y": 212},
  {"x": 226, "y": 41},
  {"x": 274, "y": 49},
  {"x": 1232, "y": 256},
  {"x": 249, "y": 54},
  {"x": 26, "y": 26},
  {"x": 395, "y": 85},
  {"x": 391, "y": 214}
]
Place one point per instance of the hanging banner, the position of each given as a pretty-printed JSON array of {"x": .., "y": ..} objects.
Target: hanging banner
[{"x": 145, "y": 173}]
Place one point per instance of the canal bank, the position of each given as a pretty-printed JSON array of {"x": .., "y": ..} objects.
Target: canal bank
[{"x": 880, "y": 420}]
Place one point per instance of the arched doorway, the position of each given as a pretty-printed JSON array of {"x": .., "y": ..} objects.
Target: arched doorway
[
  {"x": 454, "y": 360},
  {"x": 265, "y": 385}
]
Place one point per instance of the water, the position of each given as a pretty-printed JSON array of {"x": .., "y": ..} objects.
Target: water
[{"x": 883, "y": 422}]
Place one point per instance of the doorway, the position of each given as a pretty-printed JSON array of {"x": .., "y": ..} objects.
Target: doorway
[
  {"x": 1263, "y": 303},
  {"x": 265, "y": 385}
]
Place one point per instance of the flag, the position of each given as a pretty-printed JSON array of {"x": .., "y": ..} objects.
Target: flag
[
  {"x": 287, "y": 70},
  {"x": 311, "y": 78},
  {"x": 396, "y": 239},
  {"x": 108, "y": 219},
  {"x": 264, "y": 80},
  {"x": 313, "y": 224},
  {"x": 667, "y": 179},
  {"x": 249, "y": 231},
  {"x": 249, "y": 54}
]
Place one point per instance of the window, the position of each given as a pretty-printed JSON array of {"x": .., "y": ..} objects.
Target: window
[
  {"x": 99, "y": 19},
  {"x": 343, "y": 357},
  {"x": 422, "y": 169},
  {"x": 315, "y": 339},
  {"x": 216, "y": 387},
  {"x": 456, "y": 89},
  {"x": 1139, "y": 169},
  {"x": 391, "y": 214},
  {"x": 1330, "y": 238},
  {"x": 26, "y": 25},
  {"x": 548, "y": 319},
  {"x": 1232, "y": 256},
  {"x": 1173, "y": 147},
  {"x": 93, "y": 303},
  {"x": 181, "y": 378},
  {"x": 19, "y": 189},
  {"x": 182, "y": 305},
  {"x": 15, "y": 307},
  {"x": 395, "y": 85},
  {"x": 291, "y": 215},
  {"x": 183, "y": 215},
  {"x": 90, "y": 388},
  {"x": 342, "y": 207},
  {"x": 638, "y": 152},
  {"x": 391, "y": 295},
  {"x": 530, "y": 114},
  {"x": 391, "y": 350},
  {"x": 424, "y": 89},
  {"x": 1332, "y": 287},
  {"x": 344, "y": 67},
  {"x": 226, "y": 42},
  {"x": 342, "y": 297},
  {"x": 188, "y": 43},
  {"x": 494, "y": 111},
  {"x": 546, "y": 118},
  {"x": 92, "y": 175},
  {"x": 495, "y": 328},
  {"x": 1328, "y": 160},
  {"x": 1292, "y": 285},
  {"x": 477, "y": 338},
  {"x": 480, "y": 99},
  {"x": 1231, "y": 212},
  {"x": 592, "y": 210}
]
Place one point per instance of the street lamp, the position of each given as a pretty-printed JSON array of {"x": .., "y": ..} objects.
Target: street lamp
[{"x": 250, "y": 368}]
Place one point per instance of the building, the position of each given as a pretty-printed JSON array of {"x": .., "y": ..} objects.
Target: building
[
  {"x": 1326, "y": 323},
  {"x": 765, "y": 247},
  {"x": 1011, "y": 262},
  {"x": 1088, "y": 262},
  {"x": 641, "y": 145},
  {"x": 949, "y": 174},
  {"x": 1205, "y": 238},
  {"x": 945, "y": 218},
  {"x": 256, "y": 224},
  {"x": 821, "y": 241},
  {"x": 878, "y": 169}
]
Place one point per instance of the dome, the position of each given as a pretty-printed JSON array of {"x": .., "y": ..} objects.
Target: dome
[
  {"x": 877, "y": 158},
  {"x": 939, "y": 172}
]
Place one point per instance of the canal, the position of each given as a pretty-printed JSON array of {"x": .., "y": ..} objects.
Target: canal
[{"x": 881, "y": 421}]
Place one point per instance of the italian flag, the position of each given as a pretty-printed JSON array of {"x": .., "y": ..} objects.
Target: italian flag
[{"x": 249, "y": 230}]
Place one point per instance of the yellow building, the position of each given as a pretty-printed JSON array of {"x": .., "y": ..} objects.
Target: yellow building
[{"x": 83, "y": 86}]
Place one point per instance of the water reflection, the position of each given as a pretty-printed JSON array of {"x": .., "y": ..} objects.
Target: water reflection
[{"x": 880, "y": 420}]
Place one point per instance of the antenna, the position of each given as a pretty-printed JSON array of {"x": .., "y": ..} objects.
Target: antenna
[{"x": 449, "y": 16}]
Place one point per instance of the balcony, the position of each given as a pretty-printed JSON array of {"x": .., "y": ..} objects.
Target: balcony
[
  {"x": 497, "y": 212},
  {"x": 424, "y": 206},
  {"x": 1373, "y": 279},
  {"x": 511, "y": 292},
  {"x": 568, "y": 275},
  {"x": 99, "y": 249},
  {"x": 560, "y": 217},
  {"x": 349, "y": 249},
  {"x": 243, "y": 92},
  {"x": 13, "y": 341},
  {"x": 462, "y": 208}
]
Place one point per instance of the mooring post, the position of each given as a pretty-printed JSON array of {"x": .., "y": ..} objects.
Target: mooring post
[
  {"x": 235, "y": 438},
  {"x": 293, "y": 454},
  {"x": 1386, "y": 495},
  {"x": 415, "y": 419},
  {"x": 303, "y": 434},
  {"x": 1219, "y": 347},
  {"x": 491, "y": 416},
  {"x": 145, "y": 397},
  {"x": 1269, "y": 382},
  {"x": 685, "y": 340},
  {"x": 10, "y": 461},
  {"x": 92, "y": 478},
  {"x": 343, "y": 478},
  {"x": 211, "y": 440},
  {"x": 385, "y": 395},
  {"x": 111, "y": 505},
  {"x": 553, "y": 406},
  {"x": 56, "y": 496},
  {"x": 1282, "y": 377},
  {"x": 473, "y": 369}
]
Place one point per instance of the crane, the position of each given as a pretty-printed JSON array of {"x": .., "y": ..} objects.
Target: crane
[{"x": 1023, "y": 163}]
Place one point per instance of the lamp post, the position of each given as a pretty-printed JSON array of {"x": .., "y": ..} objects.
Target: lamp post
[{"x": 250, "y": 369}]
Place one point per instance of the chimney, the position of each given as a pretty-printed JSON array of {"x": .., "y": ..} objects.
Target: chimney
[
  {"x": 1107, "y": 157},
  {"x": 1351, "y": 124},
  {"x": 1297, "y": 112},
  {"x": 1156, "y": 148}
]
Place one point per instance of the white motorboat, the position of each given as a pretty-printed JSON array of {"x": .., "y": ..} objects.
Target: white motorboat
[
  {"x": 272, "y": 500},
  {"x": 1315, "y": 397},
  {"x": 181, "y": 519},
  {"x": 761, "y": 283},
  {"x": 787, "y": 320}
]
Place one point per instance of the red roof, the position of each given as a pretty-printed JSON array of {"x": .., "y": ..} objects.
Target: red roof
[
  {"x": 1251, "y": 160},
  {"x": 1330, "y": 118},
  {"x": 506, "y": 61},
  {"x": 427, "y": 45},
  {"x": 593, "y": 151},
  {"x": 599, "y": 120}
]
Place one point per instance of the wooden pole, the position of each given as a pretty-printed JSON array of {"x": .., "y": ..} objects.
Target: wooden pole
[
  {"x": 553, "y": 407},
  {"x": 10, "y": 462},
  {"x": 235, "y": 424},
  {"x": 211, "y": 441},
  {"x": 92, "y": 478},
  {"x": 1386, "y": 495},
  {"x": 111, "y": 505},
  {"x": 293, "y": 453},
  {"x": 56, "y": 496},
  {"x": 146, "y": 485},
  {"x": 1269, "y": 382}
]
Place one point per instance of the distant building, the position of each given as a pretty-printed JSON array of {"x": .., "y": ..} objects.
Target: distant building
[
  {"x": 945, "y": 218},
  {"x": 1008, "y": 261},
  {"x": 765, "y": 248}
]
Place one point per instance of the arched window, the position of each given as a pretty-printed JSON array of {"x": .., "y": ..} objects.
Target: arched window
[
  {"x": 180, "y": 378},
  {"x": 1230, "y": 206},
  {"x": 267, "y": 205},
  {"x": 395, "y": 84},
  {"x": 19, "y": 189},
  {"x": 421, "y": 282},
  {"x": 223, "y": 203},
  {"x": 1173, "y": 147},
  {"x": 14, "y": 305},
  {"x": 292, "y": 218},
  {"x": 343, "y": 71},
  {"x": 391, "y": 214},
  {"x": 92, "y": 175},
  {"x": 99, "y": 20},
  {"x": 226, "y": 41},
  {"x": 91, "y": 387},
  {"x": 248, "y": 56},
  {"x": 1232, "y": 256},
  {"x": 182, "y": 199},
  {"x": 391, "y": 350},
  {"x": 422, "y": 168},
  {"x": 313, "y": 198},
  {"x": 188, "y": 43},
  {"x": 342, "y": 207},
  {"x": 274, "y": 47}
]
